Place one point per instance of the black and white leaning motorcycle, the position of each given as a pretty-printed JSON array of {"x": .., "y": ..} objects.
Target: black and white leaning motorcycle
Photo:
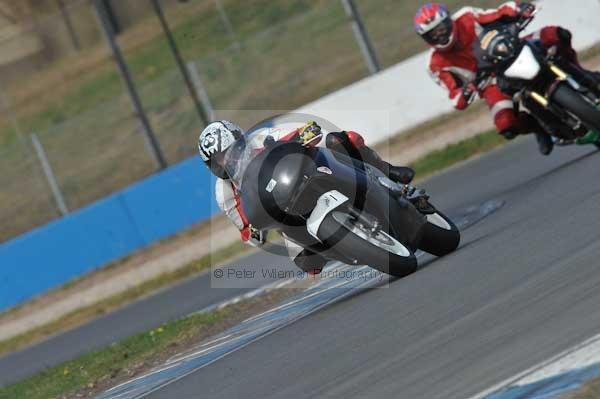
[
  {"x": 563, "y": 98},
  {"x": 336, "y": 206}
]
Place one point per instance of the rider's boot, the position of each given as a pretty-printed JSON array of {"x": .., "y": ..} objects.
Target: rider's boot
[
  {"x": 530, "y": 125},
  {"x": 307, "y": 260},
  {"x": 399, "y": 174},
  {"x": 310, "y": 262},
  {"x": 592, "y": 137},
  {"x": 545, "y": 143}
]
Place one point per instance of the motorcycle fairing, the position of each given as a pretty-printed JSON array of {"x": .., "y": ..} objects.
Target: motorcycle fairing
[
  {"x": 525, "y": 66},
  {"x": 288, "y": 204},
  {"x": 325, "y": 205}
]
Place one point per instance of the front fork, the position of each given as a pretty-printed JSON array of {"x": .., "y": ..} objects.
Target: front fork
[
  {"x": 562, "y": 76},
  {"x": 416, "y": 196}
]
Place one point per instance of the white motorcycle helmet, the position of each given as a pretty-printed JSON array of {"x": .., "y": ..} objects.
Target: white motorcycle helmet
[{"x": 214, "y": 141}]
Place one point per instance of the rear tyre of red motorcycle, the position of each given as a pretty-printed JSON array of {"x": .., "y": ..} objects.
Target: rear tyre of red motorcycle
[{"x": 346, "y": 235}]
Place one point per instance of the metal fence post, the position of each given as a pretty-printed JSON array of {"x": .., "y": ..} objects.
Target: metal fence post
[
  {"x": 6, "y": 108},
  {"x": 149, "y": 136},
  {"x": 69, "y": 24},
  {"x": 179, "y": 59},
  {"x": 201, "y": 89},
  {"x": 227, "y": 23},
  {"x": 362, "y": 37},
  {"x": 50, "y": 177}
]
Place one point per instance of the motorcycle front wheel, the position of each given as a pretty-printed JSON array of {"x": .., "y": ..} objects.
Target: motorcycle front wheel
[
  {"x": 576, "y": 104},
  {"x": 347, "y": 235}
]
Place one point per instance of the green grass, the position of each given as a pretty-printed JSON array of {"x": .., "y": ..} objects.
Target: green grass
[
  {"x": 455, "y": 153},
  {"x": 113, "y": 361}
]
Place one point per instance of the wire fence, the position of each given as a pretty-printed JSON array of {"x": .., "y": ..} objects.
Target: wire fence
[{"x": 251, "y": 55}]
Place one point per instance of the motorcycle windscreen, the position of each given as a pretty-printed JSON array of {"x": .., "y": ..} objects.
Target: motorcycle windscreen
[{"x": 525, "y": 67}]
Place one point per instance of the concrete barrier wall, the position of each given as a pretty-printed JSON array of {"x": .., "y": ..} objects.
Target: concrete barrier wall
[
  {"x": 166, "y": 203},
  {"x": 116, "y": 226}
]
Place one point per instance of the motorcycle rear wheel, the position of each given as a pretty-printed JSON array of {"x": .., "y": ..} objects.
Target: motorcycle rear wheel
[
  {"x": 440, "y": 236},
  {"x": 379, "y": 250}
]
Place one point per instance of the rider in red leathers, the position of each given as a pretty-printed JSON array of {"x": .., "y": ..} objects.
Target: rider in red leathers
[{"x": 453, "y": 64}]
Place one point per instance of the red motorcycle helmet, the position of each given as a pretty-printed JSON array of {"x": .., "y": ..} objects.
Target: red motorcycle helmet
[{"x": 434, "y": 24}]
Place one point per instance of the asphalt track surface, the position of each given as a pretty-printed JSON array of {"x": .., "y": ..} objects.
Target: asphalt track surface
[{"x": 523, "y": 286}]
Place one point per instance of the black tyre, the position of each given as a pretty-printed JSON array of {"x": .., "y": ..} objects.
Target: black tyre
[
  {"x": 575, "y": 103},
  {"x": 346, "y": 235},
  {"x": 441, "y": 236}
]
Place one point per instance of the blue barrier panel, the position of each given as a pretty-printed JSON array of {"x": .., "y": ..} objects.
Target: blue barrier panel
[
  {"x": 64, "y": 249},
  {"x": 114, "y": 227},
  {"x": 180, "y": 197}
]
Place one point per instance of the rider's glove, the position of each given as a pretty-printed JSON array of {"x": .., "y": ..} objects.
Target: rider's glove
[
  {"x": 464, "y": 96},
  {"x": 469, "y": 91},
  {"x": 309, "y": 131},
  {"x": 253, "y": 236},
  {"x": 526, "y": 10}
]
